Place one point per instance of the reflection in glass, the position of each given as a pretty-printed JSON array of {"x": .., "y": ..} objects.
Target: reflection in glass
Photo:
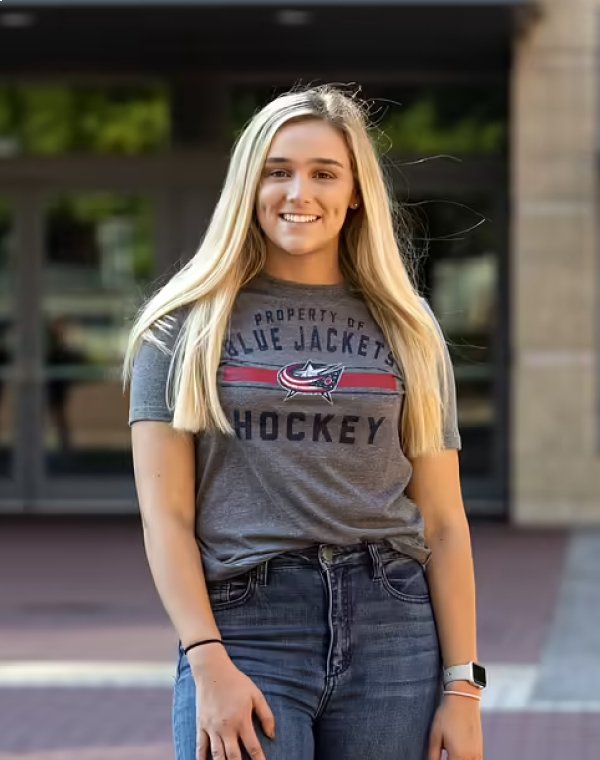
[
  {"x": 470, "y": 119},
  {"x": 62, "y": 360},
  {"x": 7, "y": 391},
  {"x": 98, "y": 263},
  {"x": 58, "y": 119},
  {"x": 461, "y": 275},
  {"x": 465, "y": 296},
  {"x": 464, "y": 119}
]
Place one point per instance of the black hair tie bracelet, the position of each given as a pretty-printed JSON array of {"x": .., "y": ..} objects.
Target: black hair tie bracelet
[{"x": 200, "y": 643}]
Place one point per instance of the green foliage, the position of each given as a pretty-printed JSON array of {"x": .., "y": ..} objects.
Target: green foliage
[
  {"x": 55, "y": 119},
  {"x": 133, "y": 120},
  {"x": 433, "y": 121},
  {"x": 91, "y": 209},
  {"x": 419, "y": 129},
  {"x": 243, "y": 109}
]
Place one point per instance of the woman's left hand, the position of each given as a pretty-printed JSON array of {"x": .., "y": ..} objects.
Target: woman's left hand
[{"x": 456, "y": 727}]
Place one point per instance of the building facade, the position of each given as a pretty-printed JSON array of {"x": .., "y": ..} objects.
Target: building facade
[{"x": 115, "y": 128}]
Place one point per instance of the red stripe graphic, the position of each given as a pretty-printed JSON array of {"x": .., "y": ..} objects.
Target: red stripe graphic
[{"x": 348, "y": 379}]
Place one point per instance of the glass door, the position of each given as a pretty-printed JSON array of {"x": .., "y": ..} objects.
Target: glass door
[
  {"x": 97, "y": 261},
  {"x": 81, "y": 247},
  {"x": 74, "y": 267},
  {"x": 464, "y": 277},
  {"x": 9, "y": 501}
]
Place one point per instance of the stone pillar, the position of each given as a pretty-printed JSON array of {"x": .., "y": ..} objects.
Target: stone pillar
[{"x": 555, "y": 250}]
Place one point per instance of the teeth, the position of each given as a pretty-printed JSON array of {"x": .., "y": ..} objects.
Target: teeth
[{"x": 299, "y": 218}]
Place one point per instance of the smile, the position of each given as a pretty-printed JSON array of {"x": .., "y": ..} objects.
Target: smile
[{"x": 299, "y": 218}]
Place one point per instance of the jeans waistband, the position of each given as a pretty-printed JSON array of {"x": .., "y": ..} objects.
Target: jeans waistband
[{"x": 328, "y": 556}]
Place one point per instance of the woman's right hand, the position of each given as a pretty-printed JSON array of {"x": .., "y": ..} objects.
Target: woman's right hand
[{"x": 225, "y": 701}]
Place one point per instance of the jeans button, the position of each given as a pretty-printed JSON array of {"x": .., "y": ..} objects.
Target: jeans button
[{"x": 327, "y": 552}]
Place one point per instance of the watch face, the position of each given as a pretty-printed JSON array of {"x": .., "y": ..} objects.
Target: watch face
[{"x": 479, "y": 675}]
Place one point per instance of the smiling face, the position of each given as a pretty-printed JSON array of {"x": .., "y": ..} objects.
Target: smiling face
[{"x": 304, "y": 194}]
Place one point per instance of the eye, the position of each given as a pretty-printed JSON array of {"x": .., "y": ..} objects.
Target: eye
[
  {"x": 325, "y": 175},
  {"x": 277, "y": 173}
]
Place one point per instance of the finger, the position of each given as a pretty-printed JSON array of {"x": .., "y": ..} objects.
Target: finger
[
  {"x": 217, "y": 749},
  {"x": 251, "y": 742},
  {"x": 232, "y": 747},
  {"x": 202, "y": 745},
  {"x": 435, "y": 746},
  {"x": 264, "y": 714}
]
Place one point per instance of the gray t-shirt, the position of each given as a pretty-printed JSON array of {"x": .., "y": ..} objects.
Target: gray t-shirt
[{"x": 314, "y": 395}]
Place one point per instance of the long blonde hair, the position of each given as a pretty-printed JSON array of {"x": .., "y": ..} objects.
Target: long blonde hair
[{"x": 233, "y": 251}]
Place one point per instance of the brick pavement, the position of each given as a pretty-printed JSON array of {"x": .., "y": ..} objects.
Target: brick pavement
[
  {"x": 87, "y": 584},
  {"x": 125, "y": 725},
  {"x": 80, "y": 590},
  {"x": 66, "y": 720},
  {"x": 161, "y": 751}
]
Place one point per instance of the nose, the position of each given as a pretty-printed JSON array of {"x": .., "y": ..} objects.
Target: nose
[{"x": 297, "y": 190}]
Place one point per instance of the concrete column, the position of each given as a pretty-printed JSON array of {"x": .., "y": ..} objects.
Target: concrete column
[{"x": 555, "y": 289}]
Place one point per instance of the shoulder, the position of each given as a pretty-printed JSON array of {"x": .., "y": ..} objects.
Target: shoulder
[
  {"x": 430, "y": 312},
  {"x": 163, "y": 333},
  {"x": 426, "y": 305}
]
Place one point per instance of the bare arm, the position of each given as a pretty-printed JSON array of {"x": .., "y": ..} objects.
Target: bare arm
[
  {"x": 164, "y": 467},
  {"x": 435, "y": 488}
]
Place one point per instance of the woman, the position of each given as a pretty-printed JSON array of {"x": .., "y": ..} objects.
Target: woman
[{"x": 295, "y": 459}]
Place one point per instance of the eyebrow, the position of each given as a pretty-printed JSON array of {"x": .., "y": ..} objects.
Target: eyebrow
[{"x": 328, "y": 161}]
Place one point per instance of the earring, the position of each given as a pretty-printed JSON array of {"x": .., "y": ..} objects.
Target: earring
[{"x": 354, "y": 205}]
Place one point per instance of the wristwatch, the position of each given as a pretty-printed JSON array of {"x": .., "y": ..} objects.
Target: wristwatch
[{"x": 471, "y": 672}]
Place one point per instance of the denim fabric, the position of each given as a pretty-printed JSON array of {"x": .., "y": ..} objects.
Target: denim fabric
[{"x": 342, "y": 642}]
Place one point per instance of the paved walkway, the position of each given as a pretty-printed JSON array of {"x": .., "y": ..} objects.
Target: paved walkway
[{"x": 87, "y": 655}]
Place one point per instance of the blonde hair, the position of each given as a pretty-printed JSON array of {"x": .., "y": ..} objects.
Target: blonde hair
[{"x": 233, "y": 251}]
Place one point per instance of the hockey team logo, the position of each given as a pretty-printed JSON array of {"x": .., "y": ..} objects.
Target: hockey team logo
[{"x": 310, "y": 378}]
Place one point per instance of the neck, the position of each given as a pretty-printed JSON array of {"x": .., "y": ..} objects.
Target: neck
[{"x": 308, "y": 269}]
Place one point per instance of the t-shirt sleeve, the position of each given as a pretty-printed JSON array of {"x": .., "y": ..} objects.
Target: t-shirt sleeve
[
  {"x": 451, "y": 434},
  {"x": 147, "y": 390}
]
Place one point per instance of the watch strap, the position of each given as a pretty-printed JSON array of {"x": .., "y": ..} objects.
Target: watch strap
[{"x": 460, "y": 673}]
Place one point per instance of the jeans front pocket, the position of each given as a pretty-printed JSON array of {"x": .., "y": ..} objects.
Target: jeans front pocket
[
  {"x": 404, "y": 578},
  {"x": 232, "y": 592}
]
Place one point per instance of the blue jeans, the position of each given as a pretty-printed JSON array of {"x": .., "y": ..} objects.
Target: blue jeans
[{"x": 342, "y": 642}]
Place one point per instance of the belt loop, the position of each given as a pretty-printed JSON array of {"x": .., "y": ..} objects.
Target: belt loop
[
  {"x": 375, "y": 560},
  {"x": 263, "y": 573}
]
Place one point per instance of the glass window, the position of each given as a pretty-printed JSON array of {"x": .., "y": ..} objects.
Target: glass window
[
  {"x": 7, "y": 339},
  {"x": 460, "y": 119},
  {"x": 55, "y": 119},
  {"x": 99, "y": 258},
  {"x": 459, "y": 274},
  {"x": 465, "y": 120}
]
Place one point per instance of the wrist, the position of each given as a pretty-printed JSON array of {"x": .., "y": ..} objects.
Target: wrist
[
  {"x": 471, "y": 674},
  {"x": 202, "y": 658},
  {"x": 473, "y": 704},
  {"x": 463, "y": 686}
]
